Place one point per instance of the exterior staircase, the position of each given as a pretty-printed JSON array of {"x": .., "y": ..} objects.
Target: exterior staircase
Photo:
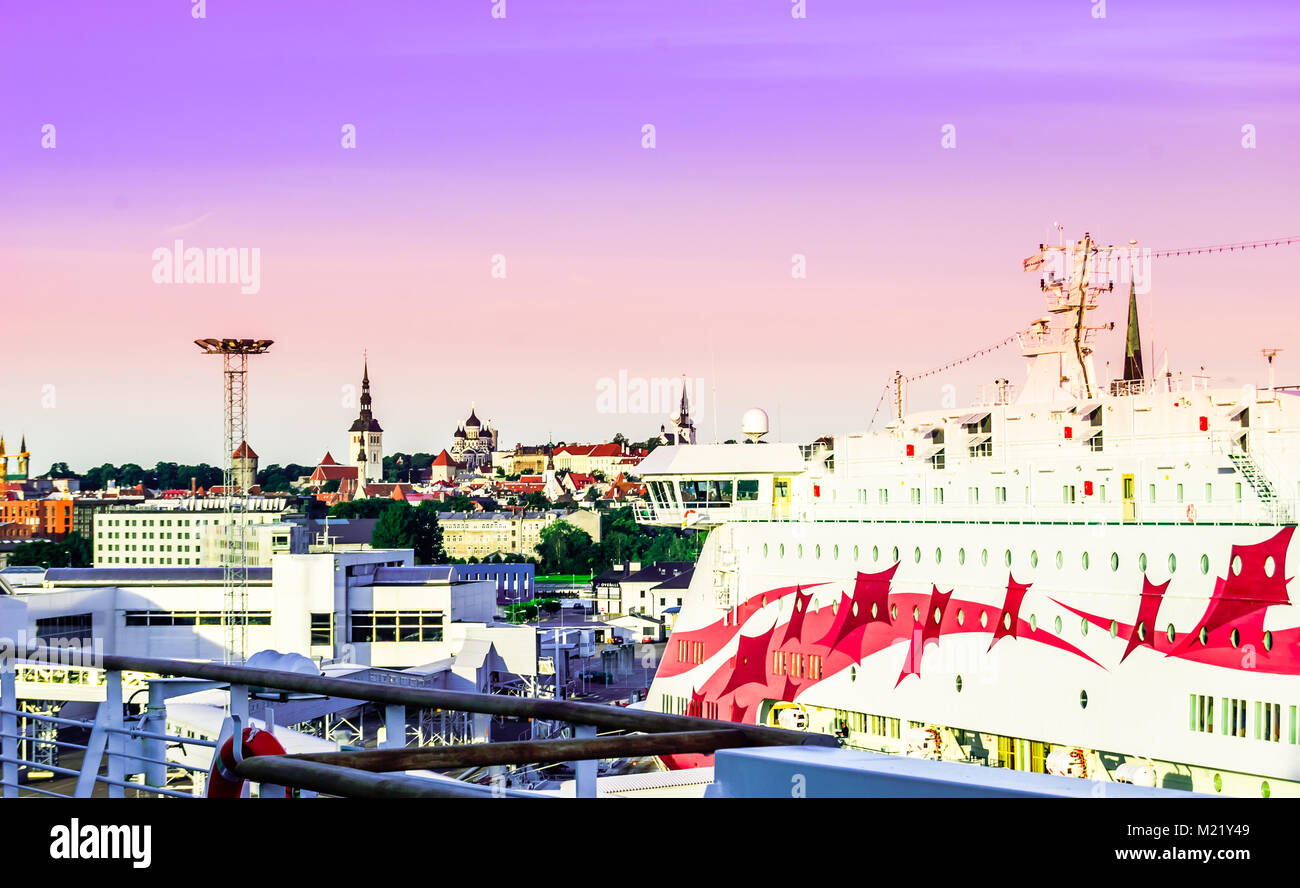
[{"x": 1258, "y": 480}]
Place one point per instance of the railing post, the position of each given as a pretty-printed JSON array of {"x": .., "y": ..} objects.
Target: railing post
[
  {"x": 155, "y": 721},
  {"x": 585, "y": 771},
  {"x": 395, "y": 726},
  {"x": 116, "y": 741},
  {"x": 9, "y": 727},
  {"x": 239, "y": 712}
]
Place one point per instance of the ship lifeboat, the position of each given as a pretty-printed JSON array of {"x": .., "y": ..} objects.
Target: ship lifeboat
[
  {"x": 1065, "y": 762},
  {"x": 791, "y": 716},
  {"x": 924, "y": 743},
  {"x": 1136, "y": 773}
]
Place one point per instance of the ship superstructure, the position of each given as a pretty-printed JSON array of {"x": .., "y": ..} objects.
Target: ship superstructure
[{"x": 1078, "y": 575}]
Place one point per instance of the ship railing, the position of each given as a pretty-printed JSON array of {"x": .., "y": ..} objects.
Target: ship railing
[
  {"x": 135, "y": 755},
  {"x": 1173, "y": 384}
]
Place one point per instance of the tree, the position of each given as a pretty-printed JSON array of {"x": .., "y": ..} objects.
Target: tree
[
  {"x": 362, "y": 508},
  {"x": 396, "y": 528},
  {"x": 59, "y": 470},
  {"x": 459, "y": 503},
  {"x": 428, "y": 545},
  {"x": 536, "y": 500},
  {"x": 564, "y": 548},
  {"x": 620, "y": 439},
  {"x": 74, "y": 551}
]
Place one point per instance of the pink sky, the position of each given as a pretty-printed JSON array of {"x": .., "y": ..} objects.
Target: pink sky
[{"x": 522, "y": 137}]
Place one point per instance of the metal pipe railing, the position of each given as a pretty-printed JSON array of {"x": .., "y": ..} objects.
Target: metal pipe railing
[
  {"x": 283, "y": 770},
  {"x": 528, "y": 751},
  {"x": 599, "y": 715}
]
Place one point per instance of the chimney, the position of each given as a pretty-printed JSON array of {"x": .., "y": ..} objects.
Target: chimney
[{"x": 193, "y": 485}]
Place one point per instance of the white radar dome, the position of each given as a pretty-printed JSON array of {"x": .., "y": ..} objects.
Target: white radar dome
[{"x": 753, "y": 425}]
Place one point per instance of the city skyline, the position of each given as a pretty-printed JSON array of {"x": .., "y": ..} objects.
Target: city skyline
[{"x": 522, "y": 138}]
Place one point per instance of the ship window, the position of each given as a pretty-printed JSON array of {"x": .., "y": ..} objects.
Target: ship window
[
  {"x": 765, "y": 550},
  {"x": 1033, "y": 558},
  {"x": 781, "y": 551},
  {"x": 800, "y": 550},
  {"x": 719, "y": 491},
  {"x": 1000, "y": 494},
  {"x": 1083, "y": 626},
  {"x": 1151, "y": 492},
  {"x": 961, "y": 556},
  {"x": 1087, "y": 561},
  {"x": 1203, "y": 636},
  {"x": 1170, "y": 634},
  {"x": 916, "y": 613},
  {"x": 1205, "y": 564},
  {"x": 916, "y": 556},
  {"x": 1235, "y": 638},
  {"x": 835, "y": 552},
  {"x": 1083, "y": 699},
  {"x": 1056, "y": 624},
  {"x": 961, "y": 617},
  {"x": 1269, "y": 566},
  {"x": 855, "y": 553},
  {"x": 1060, "y": 559},
  {"x": 1142, "y": 561},
  {"x": 1236, "y": 565},
  {"x": 938, "y": 555},
  {"x": 1209, "y": 491},
  {"x": 746, "y": 491},
  {"x": 893, "y": 612},
  {"x": 1268, "y": 641},
  {"x": 1007, "y": 558},
  {"x": 817, "y": 551},
  {"x": 959, "y": 684},
  {"x": 1173, "y": 562},
  {"x": 984, "y": 619},
  {"x": 1114, "y": 628},
  {"x": 875, "y": 553},
  {"x": 1033, "y": 622},
  {"x": 973, "y": 496},
  {"x": 895, "y": 554},
  {"x": 1006, "y": 621},
  {"x": 984, "y": 557},
  {"x": 1114, "y": 561},
  {"x": 938, "y": 496},
  {"x": 1237, "y": 490},
  {"x": 1179, "y": 492}
]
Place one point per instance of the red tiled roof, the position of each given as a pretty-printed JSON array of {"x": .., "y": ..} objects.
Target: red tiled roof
[
  {"x": 328, "y": 460},
  {"x": 334, "y": 472},
  {"x": 243, "y": 451},
  {"x": 443, "y": 459}
]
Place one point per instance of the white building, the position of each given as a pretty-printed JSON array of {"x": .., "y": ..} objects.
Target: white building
[
  {"x": 173, "y": 533},
  {"x": 371, "y": 608},
  {"x": 366, "y": 439}
]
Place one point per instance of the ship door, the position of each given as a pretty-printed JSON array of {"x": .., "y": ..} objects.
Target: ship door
[
  {"x": 1130, "y": 499},
  {"x": 780, "y": 497}
]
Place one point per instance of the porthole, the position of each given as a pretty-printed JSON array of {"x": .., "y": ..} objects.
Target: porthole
[
  {"x": 961, "y": 617},
  {"x": 1142, "y": 562},
  {"x": 1083, "y": 626},
  {"x": 1235, "y": 638},
  {"x": 1236, "y": 565},
  {"x": 961, "y": 556},
  {"x": 1170, "y": 634},
  {"x": 895, "y": 555},
  {"x": 1006, "y": 621},
  {"x": 1205, "y": 564},
  {"x": 835, "y": 552},
  {"x": 938, "y": 556},
  {"x": 1087, "y": 561},
  {"x": 916, "y": 613},
  {"x": 765, "y": 550},
  {"x": 855, "y": 553},
  {"x": 1114, "y": 561},
  {"x": 1173, "y": 562},
  {"x": 1006, "y": 559},
  {"x": 1263, "y": 787},
  {"x": 1083, "y": 699},
  {"x": 893, "y": 612},
  {"x": 984, "y": 619},
  {"x": 959, "y": 691},
  {"x": 1033, "y": 558},
  {"x": 1056, "y": 624},
  {"x": 1114, "y": 628},
  {"x": 1203, "y": 636},
  {"x": 781, "y": 551},
  {"x": 1218, "y": 783},
  {"x": 875, "y": 611},
  {"x": 799, "y": 551},
  {"x": 1269, "y": 566},
  {"x": 916, "y": 556},
  {"x": 1268, "y": 641},
  {"x": 1142, "y": 631},
  {"x": 854, "y": 609},
  {"x": 1033, "y": 622},
  {"x": 817, "y": 551},
  {"x": 1060, "y": 560},
  {"x": 938, "y": 615},
  {"x": 853, "y": 673},
  {"x": 835, "y": 608},
  {"x": 984, "y": 557},
  {"x": 875, "y": 553}
]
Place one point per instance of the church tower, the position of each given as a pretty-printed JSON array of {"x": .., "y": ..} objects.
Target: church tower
[{"x": 366, "y": 447}]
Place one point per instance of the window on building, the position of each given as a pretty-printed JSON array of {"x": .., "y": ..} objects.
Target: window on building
[{"x": 322, "y": 629}]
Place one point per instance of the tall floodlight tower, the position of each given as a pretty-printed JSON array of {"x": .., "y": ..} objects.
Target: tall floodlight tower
[{"x": 234, "y": 555}]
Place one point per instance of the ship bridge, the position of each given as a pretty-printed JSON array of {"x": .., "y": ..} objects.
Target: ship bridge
[{"x": 708, "y": 484}]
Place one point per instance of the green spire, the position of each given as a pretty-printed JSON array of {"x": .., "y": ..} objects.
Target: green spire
[{"x": 1133, "y": 345}]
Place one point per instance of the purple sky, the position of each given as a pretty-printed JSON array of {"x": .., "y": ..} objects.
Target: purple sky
[{"x": 522, "y": 137}]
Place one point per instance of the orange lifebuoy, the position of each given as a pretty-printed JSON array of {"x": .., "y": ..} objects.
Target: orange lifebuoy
[
  {"x": 1191, "y": 513},
  {"x": 223, "y": 782}
]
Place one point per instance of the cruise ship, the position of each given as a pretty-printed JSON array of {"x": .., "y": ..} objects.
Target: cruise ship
[{"x": 1076, "y": 575}]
